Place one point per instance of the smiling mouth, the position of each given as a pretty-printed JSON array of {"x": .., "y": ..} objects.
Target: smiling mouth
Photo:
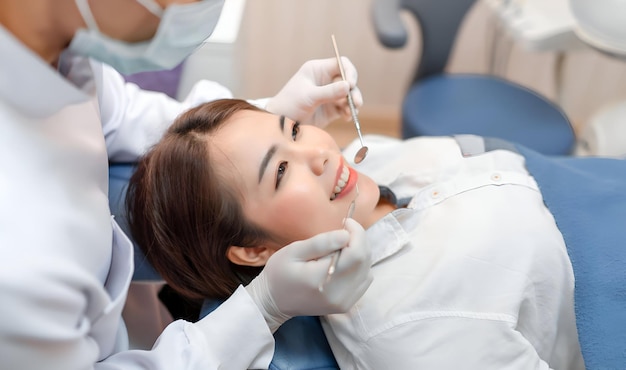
[{"x": 341, "y": 183}]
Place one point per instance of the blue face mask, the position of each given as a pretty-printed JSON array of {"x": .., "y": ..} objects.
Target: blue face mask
[{"x": 181, "y": 30}]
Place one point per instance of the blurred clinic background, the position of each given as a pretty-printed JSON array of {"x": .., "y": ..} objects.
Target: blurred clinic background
[{"x": 258, "y": 45}]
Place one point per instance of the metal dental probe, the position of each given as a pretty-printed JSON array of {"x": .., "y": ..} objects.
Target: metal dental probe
[
  {"x": 360, "y": 155},
  {"x": 335, "y": 257}
]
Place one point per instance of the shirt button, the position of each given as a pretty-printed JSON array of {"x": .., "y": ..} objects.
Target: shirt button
[{"x": 496, "y": 177}]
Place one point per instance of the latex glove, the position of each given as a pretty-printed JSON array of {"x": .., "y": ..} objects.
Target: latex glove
[
  {"x": 289, "y": 284},
  {"x": 316, "y": 94}
]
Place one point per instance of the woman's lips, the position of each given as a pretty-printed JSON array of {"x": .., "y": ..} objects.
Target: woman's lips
[{"x": 350, "y": 184}]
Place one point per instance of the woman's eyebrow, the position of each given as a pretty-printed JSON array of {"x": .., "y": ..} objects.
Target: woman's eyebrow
[{"x": 270, "y": 153}]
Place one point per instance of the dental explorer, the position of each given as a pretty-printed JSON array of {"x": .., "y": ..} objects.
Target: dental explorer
[{"x": 335, "y": 256}]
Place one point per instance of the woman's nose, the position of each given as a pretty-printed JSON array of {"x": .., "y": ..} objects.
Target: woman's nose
[{"x": 316, "y": 157}]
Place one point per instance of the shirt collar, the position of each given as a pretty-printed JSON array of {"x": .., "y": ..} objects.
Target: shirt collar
[
  {"x": 388, "y": 235},
  {"x": 30, "y": 84}
]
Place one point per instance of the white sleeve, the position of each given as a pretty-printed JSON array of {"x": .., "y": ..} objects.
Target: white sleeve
[
  {"x": 46, "y": 322},
  {"x": 134, "y": 119},
  {"x": 234, "y": 336}
]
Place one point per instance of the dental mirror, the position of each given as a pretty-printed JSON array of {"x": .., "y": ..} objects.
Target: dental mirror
[{"x": 362, "y": 153}]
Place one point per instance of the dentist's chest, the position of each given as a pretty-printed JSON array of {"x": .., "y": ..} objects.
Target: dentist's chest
[{"x": 55, "y": 179}]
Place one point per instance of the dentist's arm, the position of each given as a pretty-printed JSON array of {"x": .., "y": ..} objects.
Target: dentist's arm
[{"x": 134, "y": 119}]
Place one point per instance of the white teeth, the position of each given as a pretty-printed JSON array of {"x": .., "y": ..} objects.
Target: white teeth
[
  {"x": 339, "y": 186},
  {"x": 343, "y": 180}
]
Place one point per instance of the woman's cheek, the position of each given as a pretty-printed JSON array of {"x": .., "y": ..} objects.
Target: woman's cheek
[{"x": 305, "y": 220}]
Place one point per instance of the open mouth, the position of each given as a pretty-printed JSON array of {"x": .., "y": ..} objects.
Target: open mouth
[{"x": 341, "y": 182}]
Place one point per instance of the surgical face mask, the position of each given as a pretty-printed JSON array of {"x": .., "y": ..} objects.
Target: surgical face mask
[{"x": 183, "y": 27}]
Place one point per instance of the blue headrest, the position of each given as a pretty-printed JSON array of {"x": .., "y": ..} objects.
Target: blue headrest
[
  {"x": 300, "y": 343},
  {"x": 119, "y": 174}
]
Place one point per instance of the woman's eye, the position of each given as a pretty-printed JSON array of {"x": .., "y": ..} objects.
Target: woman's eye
[
  {"x": 295, "y": 130},
  {"x": 282, "y": 168}
]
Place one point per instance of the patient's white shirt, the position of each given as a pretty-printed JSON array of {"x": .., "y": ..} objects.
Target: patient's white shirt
[{"x": 472, "y": 274}]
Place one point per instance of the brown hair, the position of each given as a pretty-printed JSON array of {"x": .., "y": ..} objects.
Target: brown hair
[{"x": 184, "y": 212}]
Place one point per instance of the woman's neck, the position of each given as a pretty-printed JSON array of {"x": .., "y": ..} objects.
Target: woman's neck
[{"x": 383, "y": 208}]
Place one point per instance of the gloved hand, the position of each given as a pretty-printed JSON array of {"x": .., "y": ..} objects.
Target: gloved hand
[
  {"x": 289, "y": 284},
  {"x": 316, "y": 94}
]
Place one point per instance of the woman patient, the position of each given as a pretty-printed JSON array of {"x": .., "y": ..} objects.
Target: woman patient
[{"x": 470, "y": 269}]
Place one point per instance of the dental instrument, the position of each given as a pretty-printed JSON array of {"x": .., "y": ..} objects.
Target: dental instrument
[
  {"x": 335, "y": 256},
  {"x": 360, "y": 155}
]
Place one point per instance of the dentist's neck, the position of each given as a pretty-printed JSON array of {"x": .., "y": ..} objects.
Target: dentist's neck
[{"x": 44, "y": 26}]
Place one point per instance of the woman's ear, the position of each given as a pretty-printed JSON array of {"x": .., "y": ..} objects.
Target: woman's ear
[{"x": 251, "y": 256}]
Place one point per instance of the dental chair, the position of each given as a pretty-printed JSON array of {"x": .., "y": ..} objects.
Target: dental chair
[
  {"x": 300, "y": 343},
  {"x": 119, "y": 175},
  {"x": 442, "y": 104}
]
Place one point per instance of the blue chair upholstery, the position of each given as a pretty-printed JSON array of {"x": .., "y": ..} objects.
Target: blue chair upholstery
[
  {"x": 440, "y": 104},
  {"x": 300, "y": 343},
  {"x": 119, "y": 174},
  {"x": 591, "y": 215}
]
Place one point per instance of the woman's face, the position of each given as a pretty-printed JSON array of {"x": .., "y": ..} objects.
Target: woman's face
[{"x": 293, "y": 178}]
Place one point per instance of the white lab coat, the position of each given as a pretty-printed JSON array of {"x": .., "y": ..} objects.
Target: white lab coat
[{"x": 65, "y": 266}]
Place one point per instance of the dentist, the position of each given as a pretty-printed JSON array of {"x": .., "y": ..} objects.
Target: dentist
[{"x": 65, "y": 266}]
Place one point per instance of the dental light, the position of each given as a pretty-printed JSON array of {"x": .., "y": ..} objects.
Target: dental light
[{"x": 602, "y": 25}]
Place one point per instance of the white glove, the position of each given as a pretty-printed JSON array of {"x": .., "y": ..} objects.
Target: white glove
[
  {"x": 316, "y": 94},
  {"x": 289, "y": 284}
]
